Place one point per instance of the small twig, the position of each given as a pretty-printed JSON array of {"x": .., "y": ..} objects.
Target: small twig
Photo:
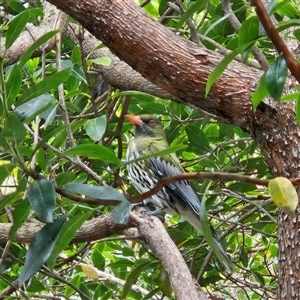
[{"x": 198, "y": 175}]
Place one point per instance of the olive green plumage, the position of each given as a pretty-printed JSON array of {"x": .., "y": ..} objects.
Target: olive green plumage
[{"x": 175, "y": 198}]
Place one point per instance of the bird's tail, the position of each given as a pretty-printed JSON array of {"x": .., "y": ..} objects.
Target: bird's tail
[
  {"x": 221, "y": 254},
  {"x": 212, "y": 240}
]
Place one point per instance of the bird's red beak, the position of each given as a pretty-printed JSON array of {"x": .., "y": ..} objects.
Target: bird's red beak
[{"x": 136, "y": 120}]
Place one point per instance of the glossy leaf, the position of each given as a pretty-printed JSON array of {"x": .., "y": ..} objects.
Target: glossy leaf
[
  {"x": 121, "y": 212},
  {"x": 275, "y": 77},
  {"x": 249, "y": 30},
  {"x": 77, "y": 72},
  {"x": 50, "y": 133},
  {"x": 5, "y": 171},
  {"x": 98, "y": 192},
  {"x": 98, "y": 259},
  {"x": 13, "y": 130},
  {"x": 95, "y": 128},
  {"x": 15, "y": 27},
  {"x": 40, "y": 248},
  {"x": 134, "y": 275},
  {"x": 197, "y": 138},
  {"x": 284, "y": 194},
  {"x": 298, "y": 109},
  {"x": 39, "y": 42},
  {"x": 164, "y": 283},
  {"x": 41, "y": 194},
  {"x": 13, "y": 85},
  {"x": 10, "y": 199},
  {"x": 193, "y": 9},
  {"x": 45, "y": 86},
  {"x": 260, "y": 93},
  {"x": 30, "y": 109},
  {"x": 94, "y": 152},
  {"x": 65, "y": 177},
  {"x": 287, "y": 9},
  {"x": 66, "y": 234},
  {"x": 20, "y": 215}
]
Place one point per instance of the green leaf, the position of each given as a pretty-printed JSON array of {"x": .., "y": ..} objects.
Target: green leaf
[
  {"x": 121, "y": 212},
  {"x": 13, "y": 85},
  {"x": 164, "y": 283},
  {"x": 39, "y": 42},
  {"x": 10, "y": 199},
  {"x": 50, "y": 133},
  {"x": 197, "y": 138},
  {"x": 163, "y": 6},
  {"x": 20, "y": 215},
  {"x": 260, "y": 93},
  {"x": 78, "y": 73},
  {"x": 36, "y": 286},
  {"x": 298, "y": 109},
  {"x": 75, "y": 281},
  {"x": 103, "y": 60},
  {"x": 276, "y": 76},
  {"x": 95, "y": 128},
  {"x": 40, "y": 248},
  {"x": 98, "y": 259},
  {"x": 65, "y": 236},
  {"x": 5, "y": 171},
  {"x": 30, "y": 109},
  {"x": 287, "y": 9},
  {"x": 94, "y": 191},
  {"x": 249, "y": 30},
  {"x": 93, "y": 151},
  {"x": 76, "y": 57},
  {"x": 196, "y": 7},
  {"x": 16, "y": 26},
  {"x": 65, "y": 177},
  {"x": 134, "y": 275},
  {"x": 45, "y": 86},
  {"x": 41, "y": 195},
  {"x": 13, "y": 130}
]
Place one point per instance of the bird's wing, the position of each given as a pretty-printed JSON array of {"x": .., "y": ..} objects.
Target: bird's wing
[
  {"x": 180, "y": 192},
  {"x": 183, "y": 195}
]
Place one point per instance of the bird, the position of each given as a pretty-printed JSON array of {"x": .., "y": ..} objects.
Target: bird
[{"x": 177, "y": 198}]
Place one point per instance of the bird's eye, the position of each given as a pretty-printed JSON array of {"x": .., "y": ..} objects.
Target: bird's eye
[{"x": 152, "y": 122}]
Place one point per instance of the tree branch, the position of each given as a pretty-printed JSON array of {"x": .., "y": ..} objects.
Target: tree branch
[
  {"x": 92, "y": 230},
  {"x": 198, "y": 175},
  {"x": 166, "y": 64},
  {"x": 158, "y": 240}
]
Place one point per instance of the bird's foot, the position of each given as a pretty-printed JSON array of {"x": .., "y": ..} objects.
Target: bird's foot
[
  {"x": 150, "y": 209},
  {"x": 155, "y": 213},
  {"x": 143, "y": 203}
]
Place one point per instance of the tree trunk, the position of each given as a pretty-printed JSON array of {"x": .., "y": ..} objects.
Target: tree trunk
[{"x": 182, "y": 69}]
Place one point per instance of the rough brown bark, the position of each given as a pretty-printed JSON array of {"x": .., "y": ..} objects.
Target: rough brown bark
[
  {"x": 92, "y": 230},
  {"x": 182, "y": 69},
  {"x": 158, "y": 240},
  {"x": 176, "y": 65}
]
